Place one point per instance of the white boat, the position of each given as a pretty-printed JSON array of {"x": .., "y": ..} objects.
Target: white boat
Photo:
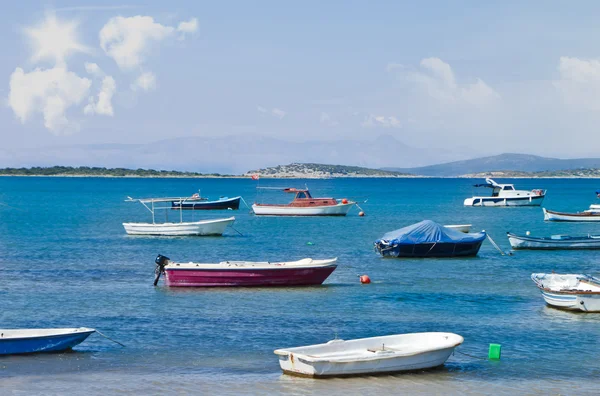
[
  {"x": 303, "y": 204},
  {"x": 506, "y": 195},
  {"x": 182, "y": 228},
  {"x": 200, "y": 228},
  {"x": 22, "y": 341},
  {"x": 466, "y": 228},
  {"x": 592, "y": 214},
  {"x": 554, "y": 242},
  {"x": 375, "y": 355},
  {"x": 570, "y": 291}
]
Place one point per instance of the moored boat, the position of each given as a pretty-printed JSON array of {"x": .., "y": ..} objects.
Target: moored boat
[
  {"x": 205, "y": 227},
  {"x": 592, "y": 214},
  {"x": 569, "y": 291},
  {"x": 367, "y": 356},
  {"x": 506, "y": 195},
  {"x": 554, "y": 242},
  {"x": 22, "y": 341},
  {"x": 429, "y": 239},
  {"x": 466, "y": 228},
  {"x": 196, "y": 202},
  {"x": 244, "y": 273},
  {"x": 304, "y": 205}
]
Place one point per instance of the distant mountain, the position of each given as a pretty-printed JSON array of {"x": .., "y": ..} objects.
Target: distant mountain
[
  {"x": 229, "y": 154},
  {"x": 502, "y": 162},
  {"x": 321, "y": 171}
]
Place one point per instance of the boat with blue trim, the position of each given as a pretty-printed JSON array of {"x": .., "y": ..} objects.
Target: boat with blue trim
[
  {"x": 506, "y": 195},
  {"x": 197, "y": 202},
  {"x": 554, "y": 242},
  {"x": 22, "y": 341},
  {"x": 576, "y": 292}
]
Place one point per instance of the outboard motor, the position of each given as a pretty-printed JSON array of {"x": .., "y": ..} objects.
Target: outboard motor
[{"x": 160, "y": 261}]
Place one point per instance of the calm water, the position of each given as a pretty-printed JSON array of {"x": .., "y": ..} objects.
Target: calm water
[{"x": 66, "y": 262}]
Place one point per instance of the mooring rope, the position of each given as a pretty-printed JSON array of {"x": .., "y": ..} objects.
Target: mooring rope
[
  {"x": 471, "y": 356},
  {"x": 108, "y": 338},
  {"x": 495, "y": 245}
]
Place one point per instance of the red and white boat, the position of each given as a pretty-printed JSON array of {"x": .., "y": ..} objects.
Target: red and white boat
[
  {"x": 244, "y": 273},
  {"x": 304, "y": 205}
]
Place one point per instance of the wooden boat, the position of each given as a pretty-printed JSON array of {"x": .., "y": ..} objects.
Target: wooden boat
[
  {"x": 570, "y": 291},
  {"x": 368, "y": 356},
  {"x": 244, "y": 273},
  {"x": 196, "y": 202},
  {"x": 304, "y": 205},
  {"x": 21, "y": 341},
  {"x": 592, "y": 214},
  {"x": 182, "y": 228},
  {"x": 429, "y": 239},
  {"x": 506, "y": 195},
  {"x": 554, "y": 242}
]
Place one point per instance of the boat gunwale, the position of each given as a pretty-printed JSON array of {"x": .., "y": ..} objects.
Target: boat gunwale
[
  {"x": 175, "y": 266},
  {"x": 88, "y": 331}
]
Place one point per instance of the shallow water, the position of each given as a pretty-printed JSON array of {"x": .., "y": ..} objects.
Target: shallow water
[{"x": 66, "y": 262}]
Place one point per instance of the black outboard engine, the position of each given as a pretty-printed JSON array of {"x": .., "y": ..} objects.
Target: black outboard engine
[{"x": 160, "y": 261}]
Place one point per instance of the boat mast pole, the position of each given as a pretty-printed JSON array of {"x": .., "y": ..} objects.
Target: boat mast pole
[{"x": 153, "y": 222}]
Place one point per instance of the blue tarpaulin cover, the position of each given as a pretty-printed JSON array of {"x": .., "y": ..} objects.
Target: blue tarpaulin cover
[{"x": 428, "y": 231}]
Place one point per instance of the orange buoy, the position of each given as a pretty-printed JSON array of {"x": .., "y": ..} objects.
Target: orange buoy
[
  {"x": 344, "y": 201},
  {"x": 361, "y": 214},
  {"x": 364, "y": 279}
]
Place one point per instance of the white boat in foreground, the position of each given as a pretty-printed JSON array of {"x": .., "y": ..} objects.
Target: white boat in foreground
[
  {"x": 200, "y": 228},
  {"x": 181, "y": 228},
  {"x": 570, "y": 291},
  {"x": 554, "y": 242},
  {"x": 365, "y": 356},
  {"x": 591, "y": 214},
  {"x": 506, "y": 195}
]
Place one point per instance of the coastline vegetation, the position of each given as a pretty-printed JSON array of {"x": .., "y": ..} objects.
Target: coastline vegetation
[{"x": 100, "y": 172}]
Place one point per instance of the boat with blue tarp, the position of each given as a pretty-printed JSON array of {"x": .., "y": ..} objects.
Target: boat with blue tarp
[{"x": 429, "y": 239}]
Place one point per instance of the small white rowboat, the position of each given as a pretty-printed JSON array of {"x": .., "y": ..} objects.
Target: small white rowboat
[
  {"x": 569, "y": 291},
  {"x": 203, "y": 227},
  {"x": 554, "y": 242},
  {"x": 586, "y": 215},
  {"x": 366, "y": 356}
]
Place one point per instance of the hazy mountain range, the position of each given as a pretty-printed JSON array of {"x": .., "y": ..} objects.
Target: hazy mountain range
[{"x": 502, "y": 162}]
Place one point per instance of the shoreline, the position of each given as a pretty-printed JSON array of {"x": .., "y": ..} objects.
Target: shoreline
[{"x": 278, "y": 177}]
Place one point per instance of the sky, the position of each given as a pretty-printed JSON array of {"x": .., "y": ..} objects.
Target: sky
[{"x": 462, "y": 78}]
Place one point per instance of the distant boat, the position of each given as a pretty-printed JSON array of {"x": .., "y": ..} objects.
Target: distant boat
[
  {"x": 554, "y": 242},
  {"x": 182, "y": 228},
  {"x": 197, "y": 202},
  {"x": 304, "y": 205},
  {"x": 244, "y": 273},
  {"x": 569, "y": 291},
  {"x": 506, "y": 195},
  {"x": 368, "y": 356},
  {"x": 21, "y": 341},
  {"x": 591, "y": 214},
  {"x": 429, "y": 239}
]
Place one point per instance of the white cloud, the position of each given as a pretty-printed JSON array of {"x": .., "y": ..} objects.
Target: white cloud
[
  {"x": 373, "y": 121},
  {"x": 93, "y": 69},
  {"x": 190, "y": 26},
  {"x": 579, "y": 83},
  {"x": 103, "y": 105},
  {"x": 49, "y": 92},
  {"x": 54, "y": 40},
  {"x": 146, "y": 82},
  {"x": 326, "y": 119},
  {"x": 437, "y": 80},
  {"x": 275, "y": 112}
]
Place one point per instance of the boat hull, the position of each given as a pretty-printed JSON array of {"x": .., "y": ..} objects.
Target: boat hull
[
  {"x": 199, "y": 228},
  {"x": 574, "y": 243},
  {"x": 574, "y": 302},
  {"x": 431, "y": 249},
  {"x": 534, "y": 200},
  {"x": 367, "y": 361},
  {"x": 550, "y": 215},
  {"x": 340, "y": 209},
  {"x": 219, "y": 277},
  {"x": 47, "y": 343},
  {"x": 224, "y": 204}
]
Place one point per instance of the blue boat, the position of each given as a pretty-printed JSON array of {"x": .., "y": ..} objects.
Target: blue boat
[
  {"x": 429, "y": 239},
  {"x": 21, "y": 341},
  {"x": 199, "y": 203}
]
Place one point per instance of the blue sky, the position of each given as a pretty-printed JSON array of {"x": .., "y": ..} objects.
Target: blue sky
[{"x": 468, "y": 77}]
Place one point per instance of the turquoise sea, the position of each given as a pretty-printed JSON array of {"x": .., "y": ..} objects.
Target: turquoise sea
[{"x": 65, "y": 261}]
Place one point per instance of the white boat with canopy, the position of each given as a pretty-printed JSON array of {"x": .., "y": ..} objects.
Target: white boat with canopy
[
  {"x": 569, "y": 291},
  {"x": 181, "y": 228},
  {"x": 366, "y": 356},
  {"x": 506, "y": 195}
]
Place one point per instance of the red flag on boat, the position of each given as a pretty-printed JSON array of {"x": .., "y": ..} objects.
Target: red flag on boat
[{"x": 255, "y": 176}]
